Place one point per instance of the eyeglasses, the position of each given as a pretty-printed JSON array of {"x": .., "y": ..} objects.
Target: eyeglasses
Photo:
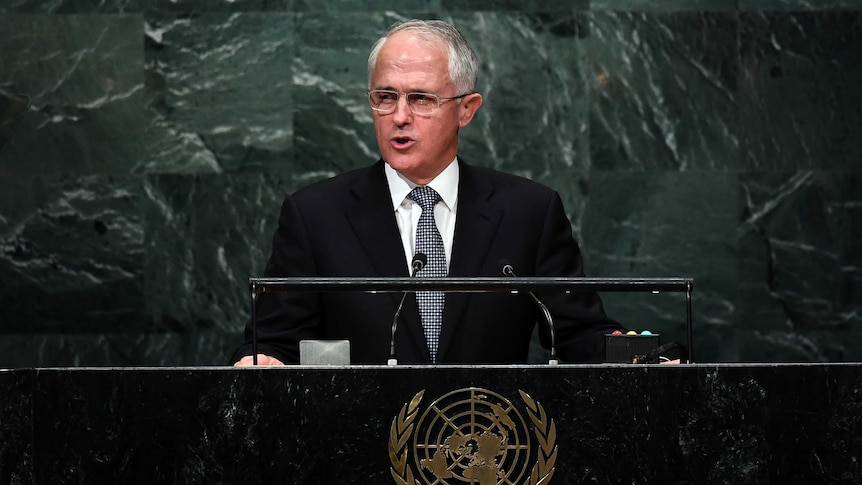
[{"x": 385, "y": 102}]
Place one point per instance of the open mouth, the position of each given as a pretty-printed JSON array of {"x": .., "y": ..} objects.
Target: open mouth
[{"x": 401, "y": 140}]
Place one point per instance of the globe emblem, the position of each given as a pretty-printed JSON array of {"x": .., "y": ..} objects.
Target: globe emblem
[{"x": 474, "y": 436}]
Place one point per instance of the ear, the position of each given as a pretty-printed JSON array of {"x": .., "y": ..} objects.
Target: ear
[{"x": 467, "y": 109}]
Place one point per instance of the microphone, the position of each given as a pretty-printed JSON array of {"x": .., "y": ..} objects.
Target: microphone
[
  {"x": 419, "y": 262},
  {"x": 508, "y": 270}
]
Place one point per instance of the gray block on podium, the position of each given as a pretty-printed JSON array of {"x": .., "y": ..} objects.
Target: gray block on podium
[{"x": 324, "y": 352}]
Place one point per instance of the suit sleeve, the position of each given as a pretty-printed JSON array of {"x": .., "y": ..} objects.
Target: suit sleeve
[
  {"x": 580, "y": 321},
  {"x": 285, "y": 318}
]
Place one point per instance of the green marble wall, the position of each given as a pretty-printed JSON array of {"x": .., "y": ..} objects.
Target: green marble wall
[{"x": 716, "y": 139}]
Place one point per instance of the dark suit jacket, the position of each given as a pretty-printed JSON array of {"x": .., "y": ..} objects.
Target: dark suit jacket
[{"x": 345, "y": 226}]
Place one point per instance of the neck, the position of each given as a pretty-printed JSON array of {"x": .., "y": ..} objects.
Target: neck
[{"x": 424, "y": 176}]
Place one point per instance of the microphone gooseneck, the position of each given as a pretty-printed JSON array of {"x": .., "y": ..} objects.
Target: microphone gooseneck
[
  {"x": 419, "y": 262},
  {"x": 508, "y": 270}
]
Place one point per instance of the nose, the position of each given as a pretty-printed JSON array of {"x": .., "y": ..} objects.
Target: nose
[{"x": 401, "y": 115}]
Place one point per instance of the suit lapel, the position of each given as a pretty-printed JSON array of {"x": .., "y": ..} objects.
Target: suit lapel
[
  {"x": 475, "y": 226},
  {"x": 373, "y": 220}
]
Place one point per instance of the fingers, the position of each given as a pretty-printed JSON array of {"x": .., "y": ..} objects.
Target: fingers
[{"x": 262, "y": 360}]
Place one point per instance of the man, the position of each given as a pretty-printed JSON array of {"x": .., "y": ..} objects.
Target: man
[{"x": 369, "y": 222}]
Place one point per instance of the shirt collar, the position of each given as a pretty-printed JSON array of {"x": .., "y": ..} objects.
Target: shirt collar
[{"x": 446, "y": 184}]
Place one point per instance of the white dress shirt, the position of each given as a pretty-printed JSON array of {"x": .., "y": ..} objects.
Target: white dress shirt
[{"x": 407, "y": 211}]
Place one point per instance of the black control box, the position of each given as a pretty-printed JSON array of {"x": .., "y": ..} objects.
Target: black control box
[{"x": 625, "y": 348}]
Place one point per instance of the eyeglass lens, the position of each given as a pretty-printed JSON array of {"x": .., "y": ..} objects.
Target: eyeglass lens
[{"x": 388, "y": 100}]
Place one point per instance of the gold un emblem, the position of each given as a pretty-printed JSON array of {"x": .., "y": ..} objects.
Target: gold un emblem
[{"x": 472, "y": 435}]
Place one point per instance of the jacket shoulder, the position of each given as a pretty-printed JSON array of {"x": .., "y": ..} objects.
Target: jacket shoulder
[
  {"x": 330, "y": 189},
  {"x": 508, "y": 183}
]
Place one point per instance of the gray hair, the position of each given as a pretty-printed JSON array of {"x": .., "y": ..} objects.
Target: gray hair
[{"x": 463, "y": 66}]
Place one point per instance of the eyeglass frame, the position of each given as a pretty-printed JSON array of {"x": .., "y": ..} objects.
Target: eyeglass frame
[{"x": 440, "y": 100}]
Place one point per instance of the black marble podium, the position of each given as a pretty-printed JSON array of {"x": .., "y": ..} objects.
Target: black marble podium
[{"x": 629, "y": 424}]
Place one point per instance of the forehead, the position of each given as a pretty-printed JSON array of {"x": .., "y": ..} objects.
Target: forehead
[{"x": 409, "y": 62}]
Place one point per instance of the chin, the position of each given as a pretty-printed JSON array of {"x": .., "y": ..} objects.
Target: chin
[{"x": 400, "y": 162}]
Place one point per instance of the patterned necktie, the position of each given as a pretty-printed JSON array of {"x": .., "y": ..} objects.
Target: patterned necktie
[{"x": 428, "y": 241}]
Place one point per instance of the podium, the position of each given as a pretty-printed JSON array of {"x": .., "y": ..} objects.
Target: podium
[
  {"x": 613, "y": 423},
  {"x": 527, "y": 285}
]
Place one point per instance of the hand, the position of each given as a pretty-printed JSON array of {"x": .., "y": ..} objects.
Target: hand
[{"x": 262, "y": 359}]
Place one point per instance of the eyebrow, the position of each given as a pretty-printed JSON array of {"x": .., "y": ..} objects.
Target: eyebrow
[{"x": 411, "y": 90}]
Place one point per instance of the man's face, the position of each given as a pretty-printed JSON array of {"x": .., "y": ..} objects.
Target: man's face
[{"x": 417, "y": 146}]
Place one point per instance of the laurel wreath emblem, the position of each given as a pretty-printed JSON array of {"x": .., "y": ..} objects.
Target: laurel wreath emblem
[
  {"x": 403, "y": 425},
  {"x": 546, "y": 433},
  {"x": 399, "y": 434}
]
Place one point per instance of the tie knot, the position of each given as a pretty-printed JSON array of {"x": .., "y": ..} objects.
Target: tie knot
[{"x": 425, "y": 196}]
